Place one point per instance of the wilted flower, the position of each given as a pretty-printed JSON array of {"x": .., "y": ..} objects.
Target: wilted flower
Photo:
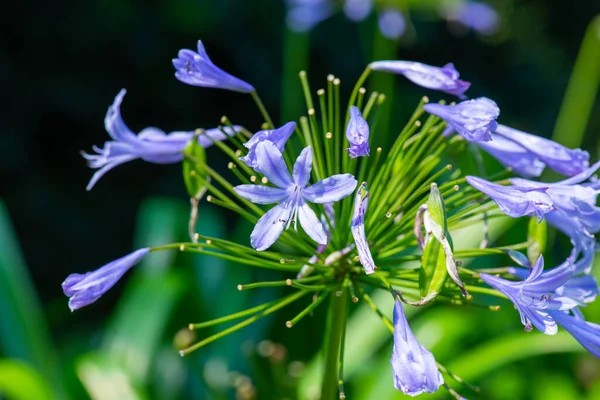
[
  {"x": 537, "y": 294},
  {"x": 87, "y": 288},
  {"x": 391, "y": 23},
  {"x": 475, "y": 120},
  {"x": 292, "y": 195},
  {"x": 414, "y": 367},
  {"x": 561, "y": 159},
  {"x": 196, "y": 69},
  {"x": 444, "y": 79},
  {"x": 151, "y": 144},
  {"x": 515, "y": 201},
  {"x": 513, "y": 155},
  {"x": 357, "y": 133},
  {"x": 277, "y": 136},
  {"x": 357, "y": 227}
]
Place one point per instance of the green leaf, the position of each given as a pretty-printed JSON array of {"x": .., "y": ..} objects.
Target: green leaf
[
  {"x": 19, "y": 381},
  {"x": 23, "y": 330},
  {"x": 537, "y": 238},
  {"x": 436, "y": 208},
  {"x": 194, "y": 176},
  {"x": 433, "y": 272}
]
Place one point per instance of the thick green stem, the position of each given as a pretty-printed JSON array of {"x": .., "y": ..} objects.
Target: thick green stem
[
  {"x": 336, "y": 324},
  {"x": 262, "y": 109}
]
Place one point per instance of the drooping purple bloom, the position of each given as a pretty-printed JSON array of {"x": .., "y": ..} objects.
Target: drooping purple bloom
[
  {"x": 575, "y": 202},
  {"x": 586, "y": 333},
  {"x": 537, "y": 294},
  {"x": 357, "y": 133},
  {"x": 357, "y": 10},
  {"x": 513, "y": 155},
  {"x": 292, "y": 195},
  {"x": 304, "y": 15},
  {"x": 445, "y": 79},
  {"x": 414, "y": 367},
  {"x": 477, "y": 16},
  {"x": 515, "y": 201},
  {"x": 89, "y": 287},
  {"x": 197, "y": 69},
  {"x": 391, "y": 23},
  {"x": 277, "y": 136},
  {"x": 475, "y": 120},
  {"x": 151, "y": 144},
  {"x": 357, "y": 226},
  {"x": 561, "y": 159}
]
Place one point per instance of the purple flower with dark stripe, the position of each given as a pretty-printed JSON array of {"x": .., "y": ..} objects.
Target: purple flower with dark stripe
[
  {"x": 357, "y": 133},
  {"x": 197, "y": 69},
  {"x": 277, "y": 136},
  {"x": 292, "y": 194},
  {"x": 515, "y": 201},
  {"x": 561, "y": 159},
  {"x": 151, "y": 144},
  {"x": 475, "y": 120},
  {"x": 445, "y": 79},
  {"x": 537, "y": 294},
  {"x": 87, "y": 288},
  {"x": 357, "y": 226},
  {"x": 514, "y": 156},
  {"x": 414, "y": 367}
]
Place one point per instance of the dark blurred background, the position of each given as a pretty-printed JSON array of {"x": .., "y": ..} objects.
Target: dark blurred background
[{"x": 62, "y": 63}]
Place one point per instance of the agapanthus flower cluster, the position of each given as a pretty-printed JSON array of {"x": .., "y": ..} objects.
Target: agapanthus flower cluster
[
  {"x": 342, "y": 217},
  {"x": 392, "y": 17}
]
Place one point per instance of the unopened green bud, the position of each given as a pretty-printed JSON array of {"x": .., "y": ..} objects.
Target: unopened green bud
[{"x": 436, "y": 208}]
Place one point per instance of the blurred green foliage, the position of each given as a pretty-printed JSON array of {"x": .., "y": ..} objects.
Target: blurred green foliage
[{"x": 74, "y": 59}]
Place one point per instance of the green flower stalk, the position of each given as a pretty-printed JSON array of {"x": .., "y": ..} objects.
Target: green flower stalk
[{"x": 347, "y": 219}]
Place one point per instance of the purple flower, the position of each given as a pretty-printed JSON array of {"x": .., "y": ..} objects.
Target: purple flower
[
  {"x": 586, "y": 333},
  {"x": 414, "y": 367},
  {"x": 561, "y": 159},
  {"x": 444, "y": 79},
  {"x": 537, "y": 294},
  {"x": 357, "y": 10},
  {"x": 292, "y": 195},
  {"x": 391, "y": 23},
  {"x": 277, "y": 136},
  {"x": 196, "y": 69},
  {"x": 361, "y": 201},
  {"x": 357, "y": 133},
  {"x": 475, "y": 120},
  {"x": 89, "y": 287},
  {"x": 575, "y": 202},
  {"x": 304, "y": 15},
  {"x": 513, "y": 155},
  {"x": 515, "y": 201},
  {"x": 151, "y": 144},
  {"x": 477, "y": 16}
]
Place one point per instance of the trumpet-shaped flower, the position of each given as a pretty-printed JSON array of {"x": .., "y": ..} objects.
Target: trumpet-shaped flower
[
  {"x": 357, "y": 226},
  {"x": 512, "y": 155},
  {"x": 414, "y": 367},
  {"x": 475, "y": 120},
  {"x": 292, "y": 194},
  {"x": 586, "y": 333},
  {"x": 561, "y": 159},
  {"x": 196, "y": 69},
  {"x": 151, "y": 144},
  {"x": 357, "y": 133},
  {"x": 87, "y": 288},
  {"x": 277, "y": 136},
  {"x": 537, "y": 294},
  {"x": 444, "y": 79},
  {"x": 515, "y": 201}
]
